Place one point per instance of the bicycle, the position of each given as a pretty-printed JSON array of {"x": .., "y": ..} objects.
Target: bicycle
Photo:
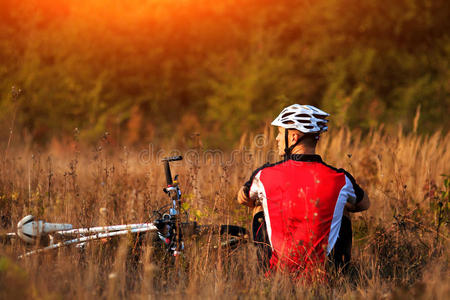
[{"x": 168, "y": 225}]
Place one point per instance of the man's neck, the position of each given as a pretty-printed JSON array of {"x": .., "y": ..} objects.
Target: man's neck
[{"x": 301, "y": 149}]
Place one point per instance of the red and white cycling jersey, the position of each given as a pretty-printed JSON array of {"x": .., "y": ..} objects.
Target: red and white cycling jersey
[{"x": 303, "y": 201}]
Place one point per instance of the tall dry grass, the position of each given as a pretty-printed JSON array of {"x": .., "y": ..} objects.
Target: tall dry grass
[{"x": 400, "y": 244}]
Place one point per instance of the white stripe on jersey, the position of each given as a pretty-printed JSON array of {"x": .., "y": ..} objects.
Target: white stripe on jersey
[
  {"x": 257, "y": 191},
  {"x": 347, "y": 193}
]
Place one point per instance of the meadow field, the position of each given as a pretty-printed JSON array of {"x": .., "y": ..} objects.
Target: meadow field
[{"x": 400, "y": 245}]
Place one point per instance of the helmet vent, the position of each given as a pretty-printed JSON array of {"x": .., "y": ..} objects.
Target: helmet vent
[
  {"x": 302, "y": 116},
  {"x": 287, "y": 114}
]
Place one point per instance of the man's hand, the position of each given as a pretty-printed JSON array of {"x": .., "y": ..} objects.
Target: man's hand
[
  {"x": 243, "y": 197},
  {"x": 360, "y": 206}
]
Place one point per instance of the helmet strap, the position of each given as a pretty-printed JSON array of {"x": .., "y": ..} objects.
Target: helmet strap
[{"x": 287, "y": 149}]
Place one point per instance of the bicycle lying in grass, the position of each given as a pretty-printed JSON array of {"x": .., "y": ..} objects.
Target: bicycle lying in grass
[{"x": 167, "y": 223}]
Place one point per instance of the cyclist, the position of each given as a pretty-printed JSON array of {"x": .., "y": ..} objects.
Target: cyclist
[{"x": 300, "y": 203}]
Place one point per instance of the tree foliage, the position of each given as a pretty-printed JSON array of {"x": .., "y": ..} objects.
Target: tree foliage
[{"x": 220, "y": 67}]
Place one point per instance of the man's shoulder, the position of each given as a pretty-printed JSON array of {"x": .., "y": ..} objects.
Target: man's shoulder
[
  {"x": 333, "y": 168},
  {"x": 357, "y": 189},
  {"x": 269, "y": 166},
  {"x": 337, "y": 170},
  {"x": 264, "y": 166}
]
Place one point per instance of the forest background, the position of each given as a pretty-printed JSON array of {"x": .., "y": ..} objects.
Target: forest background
[{"x": 156, "y": 70}]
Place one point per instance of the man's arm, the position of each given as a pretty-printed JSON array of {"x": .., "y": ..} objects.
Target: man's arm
[
  {"x": 362, "y": 205},
  {"x": 243, "y": 198}
]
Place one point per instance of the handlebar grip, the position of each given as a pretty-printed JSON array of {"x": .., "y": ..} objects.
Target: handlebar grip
[{"x": 173, "y": 158}]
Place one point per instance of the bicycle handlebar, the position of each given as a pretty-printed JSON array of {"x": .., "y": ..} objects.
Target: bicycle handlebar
[{"x": 173, "y": 158}]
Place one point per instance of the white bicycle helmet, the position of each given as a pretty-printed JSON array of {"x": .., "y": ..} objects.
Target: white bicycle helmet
[{"x": 304, "y": 118}]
